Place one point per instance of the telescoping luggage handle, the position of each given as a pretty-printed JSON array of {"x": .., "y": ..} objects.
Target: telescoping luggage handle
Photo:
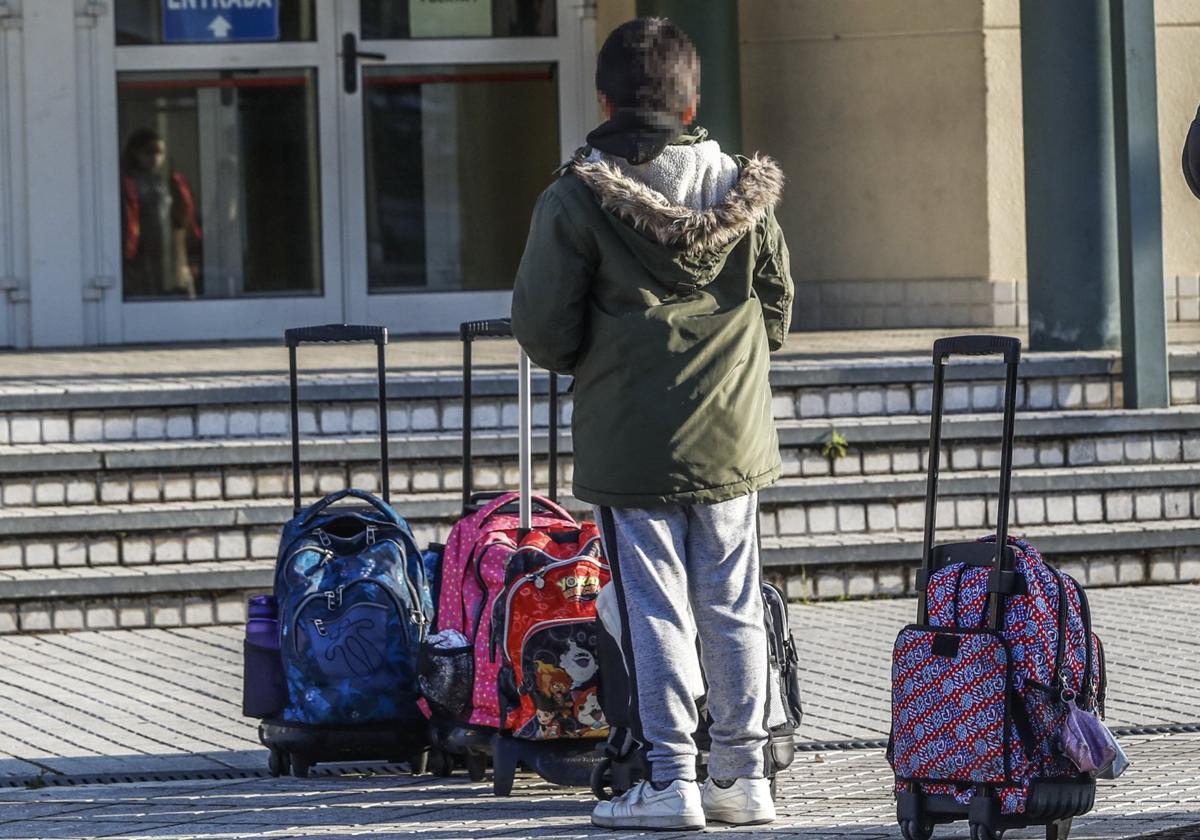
[
  {"x": 502, "y": 328},
  {"x": 337, "y": 333},
  {"x": 1000, "y": 556}
]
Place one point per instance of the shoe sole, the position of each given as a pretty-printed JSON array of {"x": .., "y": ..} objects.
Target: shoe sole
[
  {"x": 650, "y": 823},
  {"x": 729, "y": 817}
]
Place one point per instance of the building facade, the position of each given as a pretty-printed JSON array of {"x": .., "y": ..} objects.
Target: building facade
[{"x": 194, "y": 170}]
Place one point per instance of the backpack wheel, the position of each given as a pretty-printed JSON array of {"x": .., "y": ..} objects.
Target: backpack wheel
[
  {"x": 1059, "y": 829},
  {"x": 300, "y": 766},
  {"x": 504, "y": 772},
  {"x": 601, "y": 781},
  {"x": 278, "y": 763},
  {"x": 476, "y": 767},
  {"x": 979, "y": 831},
  {"x": 441, "y": 763},
  {"x": 915, "y": 830}
]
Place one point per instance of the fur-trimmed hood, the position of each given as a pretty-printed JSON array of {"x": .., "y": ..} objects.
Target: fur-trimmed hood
[{"x": 748, "y": 201}]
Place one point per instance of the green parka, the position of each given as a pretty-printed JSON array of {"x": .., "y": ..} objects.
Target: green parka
[{"x": 665, "y": 316}]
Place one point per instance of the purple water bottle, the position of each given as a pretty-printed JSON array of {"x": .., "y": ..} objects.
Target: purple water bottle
[
  {"x": 263, "y": 688},
  {"x": 262, "y": 606}
]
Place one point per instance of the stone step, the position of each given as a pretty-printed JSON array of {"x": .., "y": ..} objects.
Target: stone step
[
  {"x": 824, "y": 508},
  {"x": 208, "y": 592},
  {"x": 174, "y": 471},
  {"x": 1104, "y": 554},
  {"x": 255, "y": 405}
]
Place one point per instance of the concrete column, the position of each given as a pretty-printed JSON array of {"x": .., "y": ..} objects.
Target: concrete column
[
  {"x": 53, "y": 174},
  {"x": 1070, "y": 177},
  {"x": 713, "y": 26},
  {"x": 1139, "y": 206}
]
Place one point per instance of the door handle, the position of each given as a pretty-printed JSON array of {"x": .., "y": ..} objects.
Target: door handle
[{"x": 350, "y": 58}]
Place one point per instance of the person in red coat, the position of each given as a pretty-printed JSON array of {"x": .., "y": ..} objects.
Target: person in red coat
[{"x": 161, "y": 231}]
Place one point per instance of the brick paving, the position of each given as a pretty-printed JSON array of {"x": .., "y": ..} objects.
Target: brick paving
[
  {"x": 403, "y": 352},
  {"x": 830, "y": 795},
  {"x": 162, "y": 701},
  {"x": 423, "y": 352}
]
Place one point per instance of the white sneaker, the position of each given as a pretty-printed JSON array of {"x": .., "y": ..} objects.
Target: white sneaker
[
  {"x": 676, "y": 807},
  {"x": 745, "y": 802}
]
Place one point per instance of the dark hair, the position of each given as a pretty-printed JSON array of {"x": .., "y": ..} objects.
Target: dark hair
[
  {"x": 649, "y": 64},
  {"x": 139, "y": 141}
]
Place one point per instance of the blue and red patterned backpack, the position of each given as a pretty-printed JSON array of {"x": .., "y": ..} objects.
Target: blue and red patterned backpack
[
  {"x": 983, "y": 683},
  {"x": 972, "y": 706}
]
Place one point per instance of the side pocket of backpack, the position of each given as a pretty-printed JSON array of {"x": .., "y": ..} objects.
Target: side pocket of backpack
[
  {"x": 951, "y": 706},
  {"x": 446, "y": 678}
]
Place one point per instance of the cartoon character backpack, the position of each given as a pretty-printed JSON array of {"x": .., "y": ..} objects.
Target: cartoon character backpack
[
  {"x": 459, "y": 679},
  {"x": 544, "y": 632}
]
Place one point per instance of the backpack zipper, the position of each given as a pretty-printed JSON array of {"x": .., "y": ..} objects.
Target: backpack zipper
[
  {"x": 328, "y": 595},
  {"x": 1057, "y": 678},
  {"x": 1085, "y": 615},
  {"x": 417, "y": 613}
]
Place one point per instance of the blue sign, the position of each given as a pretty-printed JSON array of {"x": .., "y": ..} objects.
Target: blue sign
[{"x": 219, "y": 21}]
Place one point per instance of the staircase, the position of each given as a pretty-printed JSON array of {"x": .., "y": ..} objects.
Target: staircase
[{"x": 157, "y": 501}]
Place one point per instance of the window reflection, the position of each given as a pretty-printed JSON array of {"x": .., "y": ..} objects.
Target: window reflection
[
  {"x": 455, "y": 158},
  {"x": 219, "y": 184}
]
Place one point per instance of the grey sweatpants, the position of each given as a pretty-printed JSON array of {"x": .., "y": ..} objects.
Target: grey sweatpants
[{"x": 683, "y": 569}]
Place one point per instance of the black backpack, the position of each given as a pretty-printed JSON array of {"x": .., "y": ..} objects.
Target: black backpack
[{"x": 624, "y": 763}]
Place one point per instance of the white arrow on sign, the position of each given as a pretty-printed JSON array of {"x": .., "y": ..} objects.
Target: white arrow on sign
[{"x": 220, "y": 27}]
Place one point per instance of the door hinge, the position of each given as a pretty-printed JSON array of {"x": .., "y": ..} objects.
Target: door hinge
[
  {"x": 9, "y": 18},
  {"x": 97, "y": 287},
  {"x": 14, "y": 289}
]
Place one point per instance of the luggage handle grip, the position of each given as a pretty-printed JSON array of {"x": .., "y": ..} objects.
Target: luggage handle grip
[
  {"x": 362, "y": 495},
  {"x": 972, "y": 345},
  {"x": 340, "y": 333},
  {"x": 548, "y": 507},
  {"x": 493, "y": 328},
  {"x": 978, "y": 345},
  {"x": 502, "y": 328}
]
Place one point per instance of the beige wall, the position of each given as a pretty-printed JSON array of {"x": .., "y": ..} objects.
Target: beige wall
[
  {"x": 611, "y": 13},
  {"x": 877, "y": 113},
  {"x": 1178, "y": 69},
  {"x": 1005, "y": 143}
]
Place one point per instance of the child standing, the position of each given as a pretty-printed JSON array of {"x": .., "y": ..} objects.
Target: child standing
[{"x": 656, "y": 274}]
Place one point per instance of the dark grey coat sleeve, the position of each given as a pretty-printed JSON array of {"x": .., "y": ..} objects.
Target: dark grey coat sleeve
[{"x": 1191, "y": 156}]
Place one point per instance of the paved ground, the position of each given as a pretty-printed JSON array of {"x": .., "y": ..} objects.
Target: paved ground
[
  {"x": 422, "y": 352},
  {"x": 833, "y": 795},
  {"x": 165, "y": 702},
  {"x": 403, "y": 353}
]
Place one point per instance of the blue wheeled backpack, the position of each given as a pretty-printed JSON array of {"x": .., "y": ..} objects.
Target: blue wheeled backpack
[
  {"x": 354, "y": 602},
  {"x": 353, "y": 607}
]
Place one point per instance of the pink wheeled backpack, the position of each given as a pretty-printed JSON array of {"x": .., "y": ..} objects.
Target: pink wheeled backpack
[
  {"x": 476, "y": 557},
  {"x": 461, "y": 662}
]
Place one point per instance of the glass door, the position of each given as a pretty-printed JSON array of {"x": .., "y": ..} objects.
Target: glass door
[
  {"x": 228, "y": 194},
  {"x": 454, "y": 118}
]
